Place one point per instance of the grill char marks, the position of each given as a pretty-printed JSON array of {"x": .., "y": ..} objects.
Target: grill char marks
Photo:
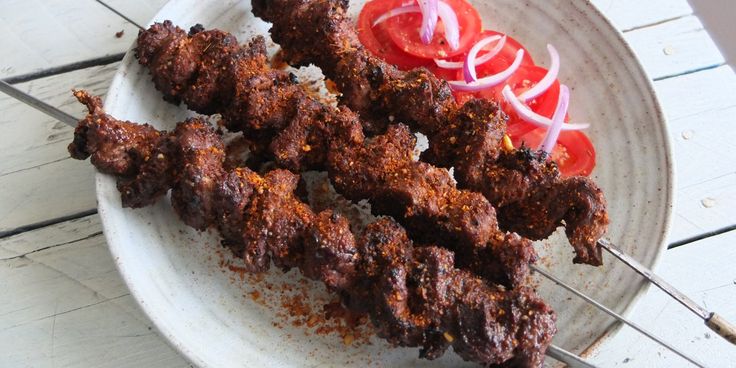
[
  {"x": 375, "y": 89},
  {"x": 414, "y": 295}
]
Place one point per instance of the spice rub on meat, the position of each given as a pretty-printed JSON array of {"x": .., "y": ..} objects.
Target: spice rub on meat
[
  {"x": 467, "y": 138},
  {"x": 415, "y": 296},
  {"x": 299, "y": 133}
]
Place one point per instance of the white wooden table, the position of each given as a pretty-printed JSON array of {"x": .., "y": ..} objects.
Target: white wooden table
[{"x": 63, "y": 304}]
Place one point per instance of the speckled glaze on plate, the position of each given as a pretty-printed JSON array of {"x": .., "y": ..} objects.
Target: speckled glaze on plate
[{"x": 176, "y": 274}]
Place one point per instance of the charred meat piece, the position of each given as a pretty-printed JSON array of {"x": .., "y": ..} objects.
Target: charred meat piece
[
  {"x": 466, "y": 138},
  {"x": 576, "y": 200},
  {"x": 302, "y": 133},
  {"x": 116, "y": 147},
  {"x": 413, "y": 295},
  {"x": 425, "y": 200}
]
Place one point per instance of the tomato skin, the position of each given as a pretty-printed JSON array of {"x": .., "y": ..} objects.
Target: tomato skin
[
  {"x": 378, "y": 40},
  {"x": 405, "y": 32},
  {"x": 573, "y": 153},
  {"x": 442, "y": 73},
  {"x": 524, "y": 79},
  {"x": 397, "y": 42},
  {"x": 516, "y": 130}
]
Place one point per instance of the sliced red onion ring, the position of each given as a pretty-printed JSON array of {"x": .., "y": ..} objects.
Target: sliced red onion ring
[
  {"x": 471, "y": 60},
  {"x": 429, "y": 19},
  {"x": 491, "y": 80},
  {"x": 548, "y": 79},
  {"x": 558, "y": 118},
  {"x": 444, "y": 64},
  {"x": 452, "y": 28},
  {"x": 532, "y": 117},
  {"x": 444, "y": 11},
  {"x": 396, "y": 11}
]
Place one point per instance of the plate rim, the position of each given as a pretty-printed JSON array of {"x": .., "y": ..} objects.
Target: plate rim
[
  {"x": 670, "y": 177},
  {"x": 667, "y": 216}
]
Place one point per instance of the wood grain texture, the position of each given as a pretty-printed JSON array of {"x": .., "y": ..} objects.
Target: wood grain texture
[
  {"x": 704, "y": 271},
  {"x": 38, "y": 179},
  {"x": 38, "y": 35},
  {"x": 70, "y": 307},
  {"x": 628, "y": 14},
  {"x": 675, "y": 47},
  {"x": 701, "y": 108}
]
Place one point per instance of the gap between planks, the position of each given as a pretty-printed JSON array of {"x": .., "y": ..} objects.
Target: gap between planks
[
  {"x": 65, "y": 68},
  {"x": 655, "y": 308},
  {"x": 62, "y": 218}
]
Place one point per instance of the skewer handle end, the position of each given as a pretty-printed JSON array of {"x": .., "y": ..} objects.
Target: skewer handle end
[{"x": 722, "y": 327}]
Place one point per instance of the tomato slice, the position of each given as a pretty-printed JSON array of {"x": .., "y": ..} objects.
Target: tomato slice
[
  {"x": 517, "y": 130},
  {"x": 405, "y": 32},
  {"x": 573, "y": 153},
  {"x": 442, "y": 73},
  {"x": 378, "y": 40}
]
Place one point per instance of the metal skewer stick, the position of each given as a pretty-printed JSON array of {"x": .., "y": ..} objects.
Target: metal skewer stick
[
  {"x": 713, "y": 320},
  {"x": 615, "y": 315},
  {"x": 553, "y": 351},
  {"x": 120, "y": 14},
  {"x": 572, "y": 360},
  {"x": 38, "y": 104}
]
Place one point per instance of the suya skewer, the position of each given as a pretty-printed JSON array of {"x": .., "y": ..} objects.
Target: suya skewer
[
  {"x": 209, "y": 69},
  {"x": 421, "y": 100},
  {"x": 530, "y": 196},
  {"x": 556, "y": 352},
  {"x": 414, "y": 294}
]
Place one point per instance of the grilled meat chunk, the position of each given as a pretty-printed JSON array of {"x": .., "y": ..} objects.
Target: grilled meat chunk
[
  {"x": 302, "y": 133},
  {"x": 414, "y": 295},
  {"x": 467, "y": 138}
]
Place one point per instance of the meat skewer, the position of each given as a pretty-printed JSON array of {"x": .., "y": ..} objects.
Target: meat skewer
[
  {"x": 414, "y": 295},
  {"x": 529, "y": 194},
  {"x": 375, "y": 89},
  {"x": 212, "y": 73},
  {"x": 553, "y": 351},
  {"x": 4, "y": 87},
  {"x": 237, "y": 122}
]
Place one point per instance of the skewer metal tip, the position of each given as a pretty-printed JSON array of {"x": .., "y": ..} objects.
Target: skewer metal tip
[{"x": 713, "y": 320}]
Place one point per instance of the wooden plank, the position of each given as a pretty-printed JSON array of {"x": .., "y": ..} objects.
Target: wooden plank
[
  {"x": 69, "y": 306},
  {"x": 673, "y": 48},
  {"x": 700, "y": 108},
  {"x": 140, "y": 11},
  {"x": 38, "y": 179},
  {"x": 618, "y": 11},
  {"x": 40, "y": 35},
  {"x": 704, "y": 271},
  {"x": 624, "y": 17}
]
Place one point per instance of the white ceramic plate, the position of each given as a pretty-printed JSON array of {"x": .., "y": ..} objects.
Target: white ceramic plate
[{"x": 213, "y": 318}]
